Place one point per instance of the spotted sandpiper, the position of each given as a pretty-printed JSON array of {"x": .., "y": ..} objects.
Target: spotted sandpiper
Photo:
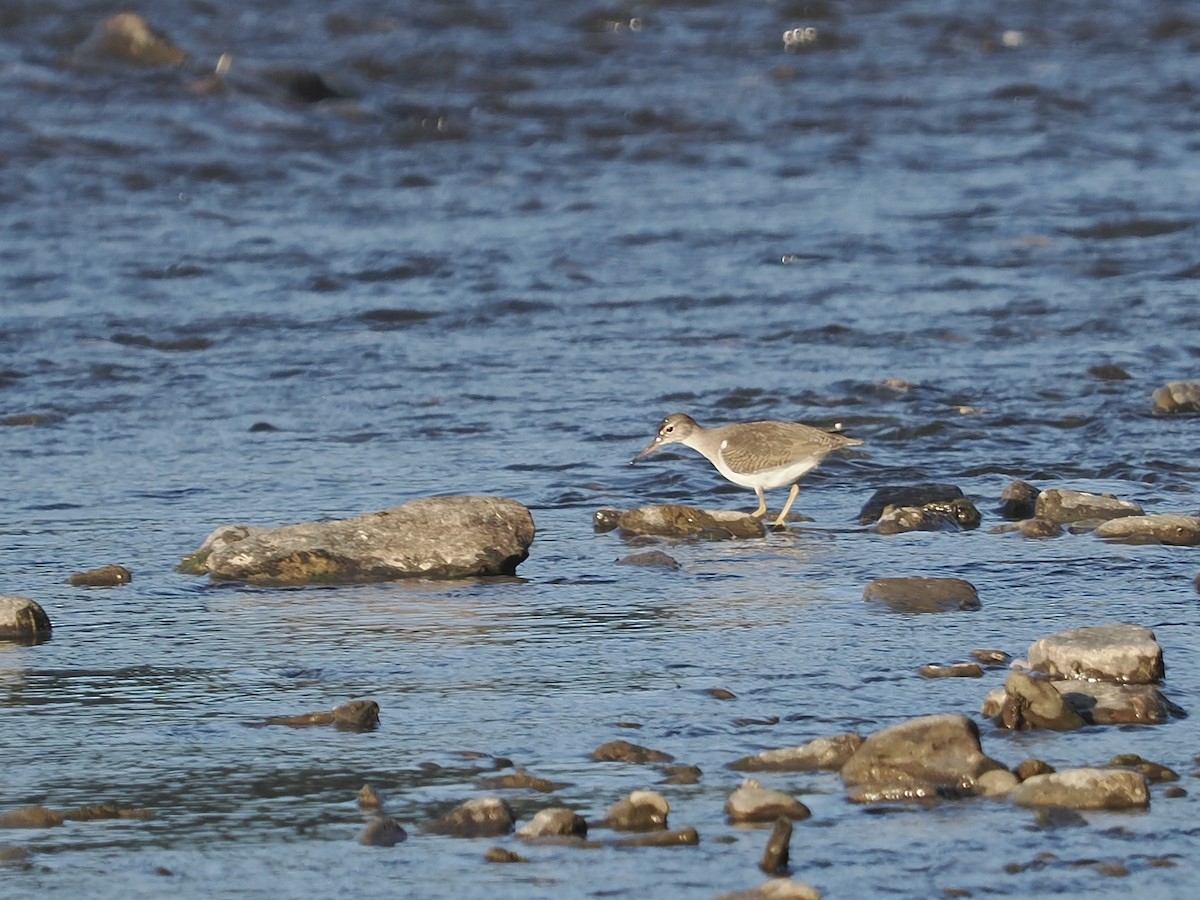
[{"x": 759, "y": 455}]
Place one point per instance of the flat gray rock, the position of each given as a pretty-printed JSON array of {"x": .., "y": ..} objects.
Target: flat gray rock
[
  {"x": 1176, "y": 530},
  {"x": 1100, "y": 703},
  {"x": 1084, "y": 789},
  {"x": 829, "y": 753},
  {"x": 434, "y": 537},
  {"x": 1063, "y": 506},
  {"x": 1123, "y": 653},
  {"x": 941, "y": 750},
  {"x": 923, "y": 595}
]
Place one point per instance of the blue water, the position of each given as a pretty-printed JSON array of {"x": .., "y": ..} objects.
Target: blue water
[{"x": 522, "y": 235}]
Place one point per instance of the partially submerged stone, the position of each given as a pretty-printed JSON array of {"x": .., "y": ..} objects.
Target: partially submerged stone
[
  {"x": 480, "y": 817},
  {"x": 433, "y": 537},
  {"x": 915, "y": 495},
  {"x": 23, "y": 620},
  {"x": 1099, "y": 703},
  {"x": 751, "y": 802},
  {"x": 776, "y": 855},
  {"x": 556, "y": 821},
  {"x": 1175, "y": 530},
  {"x": 683, "y": 837},
  {"x": 1065, "y": 506},
  {"x": 1084, "y": 788},
  {"x": 639, "y": 811},
  {"x": 357, "y": 715},
  {"x": 31, "y": 817},
  {"x": 951, "y": 670},
  {"x": 950, "y": 515},
  {"x": 128, "y": 38},
  {"x": 1030, "y": 704},
  {"x": 923, "y": 595},
  {"x": 1122, "y": 653},
  {"x": 649, "y": 559},
  {"x": 776, "y": 889},
  {"x": 382, "y": 831},
  {"x": 830, "y": 753},
  {"x": 521, "y": 781},
  {"x": 1019, "y": 500},
  {"x": 105, "y": 576},
  {"x": 624, "y": 751},
  {"x": 942, "y": 750},
  {"x": 1154, "y": 773},
  {"x": 1177, "y": 397},
  {"x": 688, "y": 522}
]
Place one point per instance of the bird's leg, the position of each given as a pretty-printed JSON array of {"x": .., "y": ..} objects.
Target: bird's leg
[
  {"x": 762, "y": 504},
  {"x": 792, "y": 495}
]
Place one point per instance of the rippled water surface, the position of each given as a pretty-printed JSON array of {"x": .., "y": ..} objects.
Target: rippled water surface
[{"x": 519, "y": 236}]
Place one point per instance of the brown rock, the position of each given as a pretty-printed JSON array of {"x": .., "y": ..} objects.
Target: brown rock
[
  {"x": 775, "y": 857},
  {"x": 1084, "y": 789},
  {"x": 31, "y": 817},
  {"x": 1121, "y": 653},
  {"x": 777, "y": 889},
  {"x": 434, "y": 537},
  {"x": 128, "y": 38},
  {"x": 382, "y": 831},
  {"x": 1177, "y": 397},
  {"x": 623, "y": 751},
  {"x": 1019, "y": 500},
  {"x": 990, "y": 658},
  {"x": 923, "y": 595},
  {"x": 639, "y": 811},
  {"x": 821, "y": 753},
  {"x": 520, "y": 781},
  {"x": 1154, "y": 773},
  {"x": 941, "y": 750},
  {"x": 1030, "y": 703},
  {"x": 689, "y": 522},
  {"x": 1030, "y": 767},
  {"x": 906, "y": 496},
  {"x": 1173, "y": 530},
  {"x": 1063, "y": 506},
  {"x": 684, "y": 837},
  {"x": 105, "y": 576},
  {"x": 368, "y": 799},
  {"x": 955, "y": 670},
  {"x": 23, "y": 620},
  {"x": 481, "y": 817},
  {"x": 752, "y": 802},
  {"x": 501, "y": 855},
  {"x": 953, "y": 515},
  {"x": 649, "y": 558},
  {"x": 357, "y": 715},
  {"x": 554, "y": 822}
]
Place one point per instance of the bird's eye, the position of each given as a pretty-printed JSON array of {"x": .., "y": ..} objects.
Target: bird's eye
[{"x": 668, "y": 429}]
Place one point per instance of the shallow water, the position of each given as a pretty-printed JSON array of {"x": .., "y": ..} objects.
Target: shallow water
[{"x": 522, "y": 237}]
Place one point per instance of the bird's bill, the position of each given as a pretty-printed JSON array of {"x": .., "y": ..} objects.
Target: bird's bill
[{"x": 652, "y": 447}]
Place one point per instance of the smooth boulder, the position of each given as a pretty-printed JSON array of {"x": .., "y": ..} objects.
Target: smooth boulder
[
  {"x": 1099, "y": 703},
  {"x": 1123, "y": 653},
  {"x": 751, "y": 802},
  {"x": 923, "y": 595},
  {"x": 557, "y": 821},
  {"x": 1177, "y": 397},
  {"x": 433, "y": 537},
  {"x": 683, "y": 522},
  {"x": 23, "y": 620},
  {"x": 1032, "y": 704},
  {"x": 1084, "y": 788},
  {"x": 1174, "y": 530},
  {"x": 939, "y": 750},
  {"x": 829, "y": 753},
  {"x": 640, "y": 811},
  {"x": 481, "y": 817},
  {"x": 914, "y": 495},
  {"x": 1065, "y": 506}
]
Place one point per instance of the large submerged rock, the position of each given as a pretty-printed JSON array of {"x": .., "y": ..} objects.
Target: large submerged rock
[
  {"x": 1084, "y": 789},
  {"x": 1065, "y": 506},
  {"x": 434, "y": 537},
  {"x": 1126, "y": 654},
  {"x": 1174, "y": 530},
  {"x": 23, "y": 620},
  {"x": 674, "y": 521}
]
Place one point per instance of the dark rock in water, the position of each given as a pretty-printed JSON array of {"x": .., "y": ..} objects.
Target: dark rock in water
[
  {"x": 1123, "y": 653},
  {"x": 623, "y": 751},
  {"x": 1030, "y": 703},
  {"x": 1177, "y": 397},
  {"x": 434, "y": 537},
  {"x": 775, "y": 857},
  {"x": 1109, "y": 372},
  {"x": 1084, "y": 789},
  {"x": 829, "y": 753},
  {"x": 522, "y": 781},
  {"x": 309, "y": 87},
  {"x": 1154, "y": 773},
  {"x": 23, "y": 620},
  {"x": 1100, "y": 703},
  {"x": 605, "y": 520},
  {"x": 128, "y": 38},
  {"x": 481, "y": 817},
  {"x": 1038, "y": 528},
  {"x": 682, "y": 775},
  {"x": 105, "y": 576},
  {"x": 1057, "y": 817},
  {"x": 357, "y": 715},
  {"x": 751, "y": 802},
  {"x": 649, "y": 558},
  {"x": 954, "y": 670},
  {"x": 260, "y": 427},
  {"x": 941, "y": 750},
  {"x": 554, "y": 822},
  {"x": 31, "y": 817},
  {"x": 923, "y": 595},
  {"x": 1030, "y": 767},
  {"x": 684, "y": 837},
  {"x": 906, "y": 495},
  {"x": 501, "y": 855},
  {"x": 689, "y": 522},
  {"x": 1173, "y": 530},
  {"x": 1064, "y": 506},
  {"x": 640, "y": 811},
  {"x": 951, "y": 515},
  {"x": 1019, "y": 500},
  {"x": 989, "y": 657},
  {"x": 382, "y": 831},
  {"x": 721, "y": 694}
]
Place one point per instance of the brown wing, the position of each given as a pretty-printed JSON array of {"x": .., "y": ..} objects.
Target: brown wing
[{"x": 758, "y": 446}]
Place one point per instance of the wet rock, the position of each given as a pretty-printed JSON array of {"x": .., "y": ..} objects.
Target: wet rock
[
  {"x": 952, "y": 515},
  {"x": 910, "y": 495},
  {"x": 684, "y": 837},
  {"x": 830, "y": 753},
  {"x": 368, "y": 799},
  {"x": 554, "y": 822},
  {"x": 954, "y": 670},
  {"x": 382, "y": 831},
  {"x": 1030, "y": 703},
  {"x": 1019, "y": 500},
  {"x": 640, "y": 811},
  {"x": 775, "y": 857},
  {"x": 989, "y": 657},
  {"x": 721, "y": 694},
  {"x": 996, "y": 783},
  {"x": 941, "y": 750},
  {"x": 501, "y": 855},
  {"x": 481, "y": 817},
  {"x": 1057, "y": 817},
  {"x": 98, "y": 811},
  {"x": 923, "y": 595},
  {"x": 357, "y": 715},
  {"x": 105, "y": 576},
  {"x": 17, "y": 857},
  {"x": 605, "y": 519},
  {"x": 1154, "y": 773},
  {"x": 649, "y": 559},
  {"x": 682, "y": 775},
  {"x": 776, "y": 889},
  {"x": 522, "y": 781},
  {"x": 752, "y": 802},
  {"x": 1084, "y": 789},
  {"x": 623, "y": 751},
  {"x": 23, "y": 620},
  {"x": 1121, "y": 653},
  {"x": 920, "y": 792},
  {"x": 1177, "y": 397},
  {"x": 1101, "y": 703},
  {"x": 1030, "y": 767},
  {"x": 434, "y": 537},
  {"x": 1174, "y": 530},
  {"x": 31, "y": 817},
  {"x": 1065, "y": 506},
  {"x": 128, "y": 38},
  {"x": 1034, "y": 529},
  {"x": 1109, "y": 372},
  {"x": 689, "y": 522}
]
